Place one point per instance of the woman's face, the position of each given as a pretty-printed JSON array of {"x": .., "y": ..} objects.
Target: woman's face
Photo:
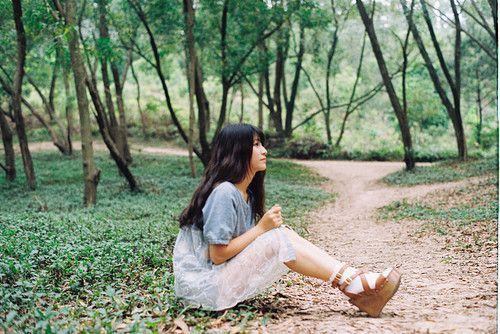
[{"x": 258, "y": 160}]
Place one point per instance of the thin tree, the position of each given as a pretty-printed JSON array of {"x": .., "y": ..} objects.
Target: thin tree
[
  {"x": 91, "y": 174},
  {"x": 16, "y": 96},
  {"x": 68, "y": 98},
  {"x": 192, "y": 61},
  {"x": 138, "y": 99},
  {"x": 119, "y": 129},
  {"x": 10, "y": 161},
  {"x": 396, "y": 105}
]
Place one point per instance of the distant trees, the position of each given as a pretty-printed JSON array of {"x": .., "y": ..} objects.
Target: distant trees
[{"x": 293, "y": 67}]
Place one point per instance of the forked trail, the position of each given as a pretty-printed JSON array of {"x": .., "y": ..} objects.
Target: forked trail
[{"x": 440, "y": 292}]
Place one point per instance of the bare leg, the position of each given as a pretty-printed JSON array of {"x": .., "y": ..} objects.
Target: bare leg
[{"x": 311, "y": 260}]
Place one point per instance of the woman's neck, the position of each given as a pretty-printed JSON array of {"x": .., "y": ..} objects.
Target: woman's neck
[{"x": 243, "y": 185}]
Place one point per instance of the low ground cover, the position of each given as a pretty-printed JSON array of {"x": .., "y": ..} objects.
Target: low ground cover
[
  {"x": 64, "y": 268},
  {"x": 463, "y": 218},
  {"x": 450, "y": 170}
]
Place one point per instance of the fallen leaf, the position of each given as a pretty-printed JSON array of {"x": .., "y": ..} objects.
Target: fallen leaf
[{"x": 179, "y": 322}]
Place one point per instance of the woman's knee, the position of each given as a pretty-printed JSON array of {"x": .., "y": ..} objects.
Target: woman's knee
[
  {"x": 291, "y": 233},
  {"x": 268, "y": 242}
]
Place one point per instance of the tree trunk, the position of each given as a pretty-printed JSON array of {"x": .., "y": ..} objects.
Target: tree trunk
[
  {"x": 10, "y": 161},
  {"x": 456, "y": 121},
  {"x": 327, "y": 112},
  {"x": 479, "y": 125},
  {"x": 122, "y": 125},
  {"x": 108, "y": 140},
  {"x": 494, "y": 10},
  {"x": 113, "y": 123},
  {"x": 16, "y": 96},
  {"x": 90, "y": 172},
  {"x": 226, "y": 83},
  {"x": 290, "y": 106},
  {"x": 119, "y": 129},
  {"x": 460, "y": 135},
  {"x": 242, "y": 103},
  {"x": 198, "y": 91},
  {"x": 400, "y": 114},
  {"x": 138, "y": 98},
  {"x": 191, "y": 75},
  {"x": 278, "y": 78},
  {"x": 53, "y": 83},
  {"x": 260, "y": 113},
  {"x": 68, "y": 106}
]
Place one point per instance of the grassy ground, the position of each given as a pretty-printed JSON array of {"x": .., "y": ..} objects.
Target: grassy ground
[
  {"x": 464, "y": 218},
  {"x": 64, "y": 268},
  {"x": 451, "y": 170}
]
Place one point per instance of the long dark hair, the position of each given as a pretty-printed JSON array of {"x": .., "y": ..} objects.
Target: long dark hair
[{"x": 230, "y": 160}]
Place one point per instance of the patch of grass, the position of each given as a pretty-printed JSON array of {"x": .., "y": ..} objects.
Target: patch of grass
[
  {"x": 466, "y": 216},
  {"x": 66, "y": 268},
  {"x": 446, "y": 171}
]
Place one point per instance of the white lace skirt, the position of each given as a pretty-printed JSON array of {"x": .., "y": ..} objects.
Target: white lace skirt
[{"x": 218, "y": 287}]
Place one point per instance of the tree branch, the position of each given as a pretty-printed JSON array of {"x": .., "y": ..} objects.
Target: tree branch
[{"x": 254, "y": 90}]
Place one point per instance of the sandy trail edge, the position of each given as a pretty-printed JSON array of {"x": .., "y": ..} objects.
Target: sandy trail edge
[{"x": 440, "y": 291}]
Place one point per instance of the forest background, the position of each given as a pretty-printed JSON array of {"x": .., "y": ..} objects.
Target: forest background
[{"x": 384, "y": 80}]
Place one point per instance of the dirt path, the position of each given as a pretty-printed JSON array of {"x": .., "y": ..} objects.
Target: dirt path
[
  {"x": 437, "y": 295},
  {"x": 98, "y": 146}
]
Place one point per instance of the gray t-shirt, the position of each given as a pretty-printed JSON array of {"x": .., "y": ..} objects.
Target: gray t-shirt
[{"x": 226, "y": 215}]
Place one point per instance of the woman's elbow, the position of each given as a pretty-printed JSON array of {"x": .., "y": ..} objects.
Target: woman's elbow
[
  {"x": 217, "y": 255},
  {"x": 217, "y": 260}
]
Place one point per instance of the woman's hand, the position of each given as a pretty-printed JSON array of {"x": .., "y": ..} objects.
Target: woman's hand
[
  {"x": 271, "y": 219},
  {"x": 221, "y": 253}
]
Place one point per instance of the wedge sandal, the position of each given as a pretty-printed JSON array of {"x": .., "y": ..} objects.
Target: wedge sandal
[{"x": 371, "y": 301}]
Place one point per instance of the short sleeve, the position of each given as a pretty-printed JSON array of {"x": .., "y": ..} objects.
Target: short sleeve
[{"x": 219, "y": 216}]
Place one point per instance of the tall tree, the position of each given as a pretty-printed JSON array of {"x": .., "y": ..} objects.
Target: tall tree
[
  {"x": 118, "y": 129},
  {"x": 196, "y": 82},
  {"x": 453, "y": 109},
  {"x": 16, "y": 96},
  {"x": 90, "y": 172},
  {"x": 191, "y": 73},
  {"x": 396, "y": 105}
]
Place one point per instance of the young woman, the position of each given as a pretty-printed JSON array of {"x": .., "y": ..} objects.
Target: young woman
[{"x": 230, "y": 249}]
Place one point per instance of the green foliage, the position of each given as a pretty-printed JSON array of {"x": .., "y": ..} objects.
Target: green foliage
[
  {"x": 303, "y": 148},
  {"x": 443, "y": 172},
  {"x": 400, "y": 210},
  {"x": 65, "y": 268}
]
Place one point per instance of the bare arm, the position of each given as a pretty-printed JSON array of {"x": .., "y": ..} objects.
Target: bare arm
[{"x": 221, "y": 253}]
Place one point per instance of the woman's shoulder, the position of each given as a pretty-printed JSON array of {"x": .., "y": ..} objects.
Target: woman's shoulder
[
  {"x": 225, "y": 187},
  {"x": 221, "y": 196}
]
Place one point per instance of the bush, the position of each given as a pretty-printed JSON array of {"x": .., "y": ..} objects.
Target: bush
[{"x": 303, "y": 148}]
